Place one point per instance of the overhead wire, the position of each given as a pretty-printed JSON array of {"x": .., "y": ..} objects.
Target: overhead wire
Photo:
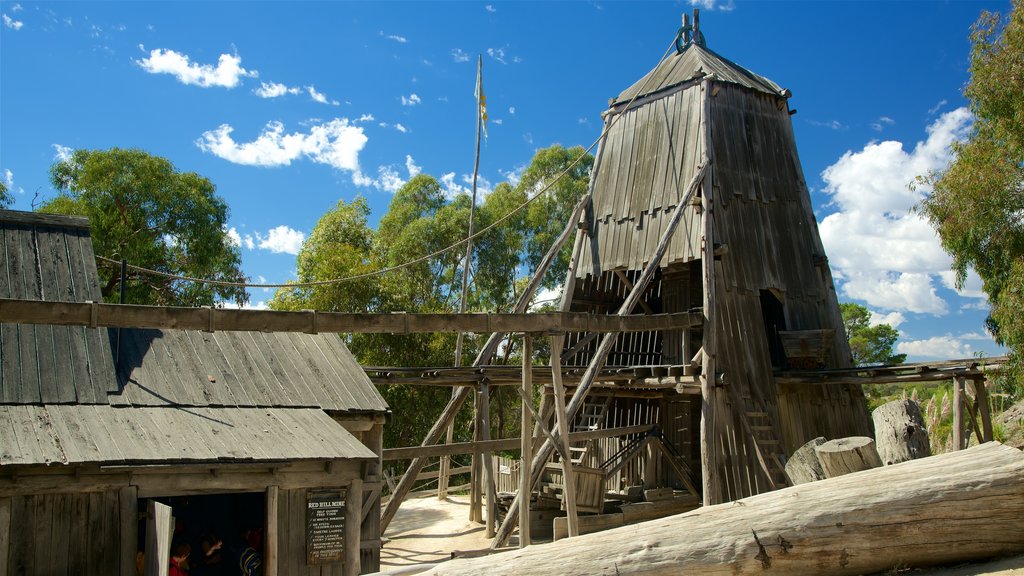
[{"x": 380, "y": 272}]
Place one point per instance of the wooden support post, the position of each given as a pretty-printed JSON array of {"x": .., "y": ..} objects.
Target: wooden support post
[
  {"x": 607, "y": 343},
  {"x": 526, "y": 445},
  {"x": 5, "y": 534},
  {"x": 711, "y": 489},
  {"x": 485, "y": 435},
  {"x": 353, "y": 528},
  {"x": 958, "y": 413},
  {"x": 984, "y": 410},
  {"x": 459, "y": 397},
  {"x": 476, "y": 467},
  {"x": 128, "y": 503},
  {"x": 270, "y": 540},
  {"x": 569, "y": 489},
  {"x": 445, "y": 464}
]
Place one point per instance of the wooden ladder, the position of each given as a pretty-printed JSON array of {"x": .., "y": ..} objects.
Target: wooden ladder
[
  {"x": 761, "y": 430},
  {"x": 591, "y": 417}
]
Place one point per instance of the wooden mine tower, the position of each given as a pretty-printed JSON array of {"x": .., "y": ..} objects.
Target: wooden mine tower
[{"x": 699, "y": 174}]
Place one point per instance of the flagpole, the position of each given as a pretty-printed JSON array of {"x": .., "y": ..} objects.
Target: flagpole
[{"x": 445, "y": 464}]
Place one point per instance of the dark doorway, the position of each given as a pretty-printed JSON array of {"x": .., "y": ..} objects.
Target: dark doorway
[
  {"x": 217, "y": 528},
  {"x": 774, "y": 314}
]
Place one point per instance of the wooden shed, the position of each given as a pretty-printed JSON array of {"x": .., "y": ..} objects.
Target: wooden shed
[
  {"x": 700, "y": 162},
  {"x": 115, "y": 442}
]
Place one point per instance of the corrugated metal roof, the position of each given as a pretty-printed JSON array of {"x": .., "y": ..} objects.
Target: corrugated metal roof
[
  {"x": 191, "y": 368},
  {"x": 49, "y": 257},
  {"x": 62, "y": 434},
  {"x": 696, "y": 62}
]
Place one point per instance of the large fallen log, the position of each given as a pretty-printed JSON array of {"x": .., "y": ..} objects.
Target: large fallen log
[{"x": 954, "y": 507}]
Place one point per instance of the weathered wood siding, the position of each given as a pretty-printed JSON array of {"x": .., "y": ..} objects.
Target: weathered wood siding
[
  {"x": 763, "y": 214},
  {"x": 647, "y": 159},
  {"x": 50, "y": 258},
  {"x": 83, "y": 534}
]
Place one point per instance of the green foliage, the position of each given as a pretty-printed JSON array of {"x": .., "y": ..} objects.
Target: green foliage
[
  {"x": 420, "y": 221},
  {"x": 6, "y": 198},
  {"x": 869, "y": 344},
  {"x": 977, "y": 204},
  {"x": 141, "y": 209}
]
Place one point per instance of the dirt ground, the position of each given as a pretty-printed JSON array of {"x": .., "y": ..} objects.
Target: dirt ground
[{"x": 426, "y": 530}]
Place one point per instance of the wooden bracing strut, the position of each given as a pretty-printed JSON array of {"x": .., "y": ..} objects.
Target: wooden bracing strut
[
  {"x": 607, "y": 343},
  {"x": 462, "y": 393}
]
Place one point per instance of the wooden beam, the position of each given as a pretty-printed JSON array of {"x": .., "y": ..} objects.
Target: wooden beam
[
  {"x": 271, "y": 544},
  {"x": 981, "y": 392},
  {"x": 391, "y": 454},
  {"x": 958, "y": 413},
  {"x": 353, "y": 528},
  {"x": 708, "y": 460},
  {"x": 606, "y": 345},
  {"x": 93, "y": 314},
  {"x": 526, "y": 445},
  {"x": 562, "y": 421},
  {"x": 862, "y": 523},
  {"x": 484, "y": 357}
]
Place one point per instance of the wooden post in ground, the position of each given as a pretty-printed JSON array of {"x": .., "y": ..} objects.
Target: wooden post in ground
[
  {"x": 526, "y": 445},
  {"x": 476, "y": 468},
  {"x": 353, "y": 528},
  {"x": 606, "y": 345},
  {"x": 711, "y": 489},
  {"x": 984, "y": 410},
  {"x": 452, "y": 408},
  {"x": 445, "y": 464},
  {"x": 484, "y": 426},
  {"x": 958, "y": 413},
  {"x": 568, "y": 480}
]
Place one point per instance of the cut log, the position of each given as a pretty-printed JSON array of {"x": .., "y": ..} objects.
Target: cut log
[
  {"x": 803, "y": 466},
  {"x": 846, "y": 455},
  {"x": 900, "y": 434},
  {"x": 861, "y": 523}
]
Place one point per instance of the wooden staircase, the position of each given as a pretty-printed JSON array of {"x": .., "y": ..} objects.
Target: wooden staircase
[
  {"x": 592, "y": 416},
  {"x": 760, "y": 428}
]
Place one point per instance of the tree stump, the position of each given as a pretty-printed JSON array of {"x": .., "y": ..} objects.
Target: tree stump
[
  {"x": 846, "y": 455},
  {"x": 900, "y": 433},
  {"x": 803, "y": 466}
]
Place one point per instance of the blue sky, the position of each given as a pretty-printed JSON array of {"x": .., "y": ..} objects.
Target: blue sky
[{"x": 289, "y": 107}]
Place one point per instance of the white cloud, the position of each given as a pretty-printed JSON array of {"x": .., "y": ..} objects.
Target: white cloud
[
  {"x": 514, "y": 175},
  {"x": 512, "y": 110},
  {"x": 497, "y": 54},
  {"x": 12, "y": 23},
  {"x": 973, "y": 285},
  {"x": 228, "y": 72},
  {"x": 490, "y": 8},
  {"x": 412, "y": 100},
  {"x": 459, "y": 56},
  {"x": 885, "y": 254},
  {"x": 395, "y": 37},
  {"x": 452, "y": 188},
  {"x": 231, "y": 305},
  {"x": 9, "y": 182},
  {"x": 545, "y": 296},
  {"x": 275, "y": 90},
  {"x": 411, "y": 167},
  {"x": 881, "y": 123},
  {"x": 365, "y": 118},
  {"x": 938, "y": 106},
  {"x": 62, "y": 153},
  {"x": 497, "y": 121},
  {"x": 320, "y": 97},
  {"x": 401, "y": 128},
  {"x": 727, "y": 6},
  {"x": 943, "y": 347},
  {"x": 830, "y": 124},
  {"x": 16, "y": 8},
  {"x": 893, "y": 319},
  {"x": 281, "y": 240},
  {"x": 239, "y": 240},
  {"x": 336, "y": 143}
]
